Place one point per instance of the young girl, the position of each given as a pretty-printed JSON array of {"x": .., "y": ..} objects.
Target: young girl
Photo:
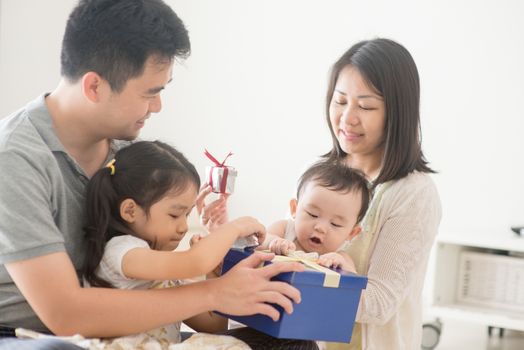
[
  {"x": 331, "y": 201},
  {"x": 137, "y": 210}
]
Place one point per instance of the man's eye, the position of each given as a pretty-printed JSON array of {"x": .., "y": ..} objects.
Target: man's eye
[{"x": 174, "y": 216}]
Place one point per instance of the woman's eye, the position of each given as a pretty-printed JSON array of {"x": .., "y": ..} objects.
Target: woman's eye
[
  {"x": 174, "y": 216},
  {"x": 340, "y": 102},
  {"x": 367, "y": 108}
]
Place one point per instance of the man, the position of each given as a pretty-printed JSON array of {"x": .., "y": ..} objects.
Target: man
[{"x": 117, "y": 57}]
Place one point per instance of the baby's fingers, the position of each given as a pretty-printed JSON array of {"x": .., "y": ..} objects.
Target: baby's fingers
[
  {"x": 325, "y": 261},
  {"x": 280, "y": 248},
  {"x": 290, "y": 247}
]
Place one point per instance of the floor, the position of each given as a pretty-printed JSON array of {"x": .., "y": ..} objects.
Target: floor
[
  {"x": 466, "y": 336},
  {"x": 456, "y": 335}
]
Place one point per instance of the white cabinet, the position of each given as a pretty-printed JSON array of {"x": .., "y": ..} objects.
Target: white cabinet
[{"x": 503, "y": 267}]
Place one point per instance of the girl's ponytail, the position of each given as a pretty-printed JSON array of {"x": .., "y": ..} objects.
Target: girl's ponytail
[{"x": 101, "y": 198}]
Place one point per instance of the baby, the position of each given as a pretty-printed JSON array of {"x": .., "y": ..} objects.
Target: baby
[{"x": 331, "y": 200}]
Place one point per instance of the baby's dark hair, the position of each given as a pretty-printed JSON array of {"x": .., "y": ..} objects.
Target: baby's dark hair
[
  {"x": 145, "y": 171},
  {"x": 337, "y": 177}
]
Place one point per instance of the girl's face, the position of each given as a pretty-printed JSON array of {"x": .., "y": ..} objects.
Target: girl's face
[
  {"x": 357, "y": 115},
  {"x": 166, "y": 224},
  {"x": 324, "y": 218}
]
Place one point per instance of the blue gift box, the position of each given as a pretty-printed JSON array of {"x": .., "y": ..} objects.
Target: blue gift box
[{"x": 325, "y": 313}]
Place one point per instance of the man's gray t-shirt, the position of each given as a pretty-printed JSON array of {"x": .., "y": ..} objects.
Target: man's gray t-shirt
[{"x": 42, "y": 209}]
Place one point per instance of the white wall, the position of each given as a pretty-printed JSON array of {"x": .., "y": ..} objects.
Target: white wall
[{"x": 256, "y": 79}]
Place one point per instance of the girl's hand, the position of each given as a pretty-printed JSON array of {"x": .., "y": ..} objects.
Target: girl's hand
[
  {"x": 217, "y": 271},
  {"x": 335, "y": 260},
  {"x": 281, "y": 246},
  {"x": 247, "y": 226},
  {"x": 213, "y": 214}
]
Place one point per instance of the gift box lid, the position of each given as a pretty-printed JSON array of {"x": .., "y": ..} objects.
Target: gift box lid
[{"x": 348, "y": 280}]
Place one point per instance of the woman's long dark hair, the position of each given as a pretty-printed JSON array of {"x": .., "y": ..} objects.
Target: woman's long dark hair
[
  {"x": 391, "y": 71},
  {"x": 145, "y": 171}
]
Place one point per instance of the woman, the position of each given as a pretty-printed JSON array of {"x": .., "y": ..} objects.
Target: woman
[{"x": 373, "y": 115}]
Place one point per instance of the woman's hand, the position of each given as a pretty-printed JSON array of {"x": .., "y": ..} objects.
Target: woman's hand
[
  {"x": 281, "y": 246},
  {"x": 213, "y": 214}
]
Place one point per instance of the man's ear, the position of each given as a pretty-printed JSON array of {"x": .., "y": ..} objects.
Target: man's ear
[
  {"x": 354, "y": 232},
  {"x": 93, "y": 86},
  {"x": 129, "y": 210},
  {"x": 293, "y": 207}
]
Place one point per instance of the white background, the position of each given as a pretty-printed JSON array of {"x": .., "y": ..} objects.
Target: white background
[{"x": 256, "y": 79}]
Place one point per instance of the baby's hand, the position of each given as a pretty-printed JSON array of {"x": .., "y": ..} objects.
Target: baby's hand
[
  {"x": 248, "y": 225},
  {"x": 335, "y": 260},
  {"x": 281, "y": 246}
]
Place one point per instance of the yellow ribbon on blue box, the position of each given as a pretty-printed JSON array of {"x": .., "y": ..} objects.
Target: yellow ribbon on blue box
[{"x": 331, "y": 278}]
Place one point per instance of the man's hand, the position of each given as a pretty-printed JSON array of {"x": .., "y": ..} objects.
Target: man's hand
[{"x": 247, "y": 289}]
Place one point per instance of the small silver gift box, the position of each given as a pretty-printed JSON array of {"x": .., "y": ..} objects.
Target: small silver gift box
[
  {"x": 221, "y": 179},
  {"x": 248, "y": 242}
]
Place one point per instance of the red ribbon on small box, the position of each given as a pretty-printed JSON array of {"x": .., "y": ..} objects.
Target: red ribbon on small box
[{"x": 218, "y": 164}]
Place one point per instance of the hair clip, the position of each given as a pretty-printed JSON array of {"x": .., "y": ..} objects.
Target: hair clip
[{"x": 111, "y": 165}]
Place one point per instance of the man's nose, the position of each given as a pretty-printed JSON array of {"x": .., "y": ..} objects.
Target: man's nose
[{"x": 155, "y": 105}]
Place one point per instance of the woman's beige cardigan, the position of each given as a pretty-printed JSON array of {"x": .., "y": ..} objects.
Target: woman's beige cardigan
[{"x": 393, "y": 252}]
